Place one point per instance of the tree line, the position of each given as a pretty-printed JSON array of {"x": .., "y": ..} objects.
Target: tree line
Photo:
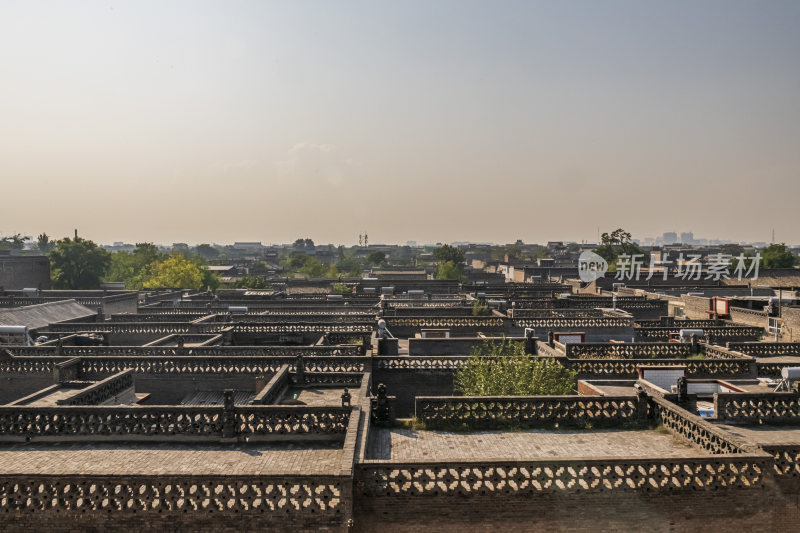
[{"x": 80, "y": 264}]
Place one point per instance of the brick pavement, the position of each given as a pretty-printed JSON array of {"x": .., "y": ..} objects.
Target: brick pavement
[
  {"x": 170, "y": 458},
  {"x": 765, "y": 435},
  {"x": 411, "y": 445},
  {"x": 318, "y": 396}
]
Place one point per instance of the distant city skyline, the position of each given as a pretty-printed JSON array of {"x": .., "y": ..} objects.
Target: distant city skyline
[
  {"x": 647, "y": 240},
  {"x": 435, "y": 122}
]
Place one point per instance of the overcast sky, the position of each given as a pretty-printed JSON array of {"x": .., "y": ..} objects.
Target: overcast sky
[{"x": 431, "y": 121}]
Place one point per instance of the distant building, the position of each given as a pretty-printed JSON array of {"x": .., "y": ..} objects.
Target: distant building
[
  {"x": 687, "y": 237},
  {"x": 669, "y": 237},
  {"x": 247, "y": 245}
]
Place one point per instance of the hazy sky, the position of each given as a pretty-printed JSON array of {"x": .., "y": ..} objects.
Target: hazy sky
[{"x": 431, "y": 121}]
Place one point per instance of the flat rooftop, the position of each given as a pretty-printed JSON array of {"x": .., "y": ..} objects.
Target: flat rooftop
[
  {"x": 318, "y": 396},
  {"x": 168, "y": 458},
  {"x": 412, "y": 445},
  {"x": 765, "y": 435}
]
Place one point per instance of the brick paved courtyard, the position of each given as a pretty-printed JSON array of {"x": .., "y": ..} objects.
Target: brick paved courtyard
[
  {"x": 158, "y": 459},
  {"x": 412, "y": 445}
]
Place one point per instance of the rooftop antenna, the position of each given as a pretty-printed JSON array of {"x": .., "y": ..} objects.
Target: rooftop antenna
[
  {"x": 360, "y": 239},
  {"x": 365, "y": 239}
]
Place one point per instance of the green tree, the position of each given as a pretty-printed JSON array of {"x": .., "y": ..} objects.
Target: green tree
[
  {"x": 376, "y": 258},
  {"x": 206, "y": 251},
  {"x": 349, "y": 266},
  {"x": 176, "y": 272},
  {"x": 542, "y": 253},
  {"x": 43, "y": 243},
  {"x": 618, "y": 236},
  {"x": 448, "y": 270},
  {"x": 293, "y": 262},
  {"x": 211, "y": 279},
  {"x": 731, "y": 249},
  {"x": 304, "y": 244},
  {"x": 78, "y": 264},
  {"x": 312, "y": 267},
  {"x": 341, "y": 288},
  {"x": 480, "y": 309},
  {"x": 777, "y": 256},
  {"x": 449, "y": 253},
  {"x": 133, "y": 268},
  {"x": 332, "y": 272},
  {"x": 251, "y": 282},
  {"x": 13, "y": 242},
  {"x": 502, "y": 368},
  {"x": 616, "y": 243}
]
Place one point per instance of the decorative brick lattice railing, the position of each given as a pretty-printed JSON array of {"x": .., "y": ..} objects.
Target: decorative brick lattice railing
[
  {"x": 199, "y": 351},
  {"x": 754, "y": 408},
  {"x": 291, "y": 307},
  {"x": 772, "y": 370},
  {"x": 102, "y": 391},
  {"x": 627, "y": 368},
  {"x": 415, "y": 303},
  {"x": 445, "y": 322},
  {"x": 574, "y": 323},
  {"x": 306, "y": 318},
  {"x": 315, "y": 497},
  {"x": 646, "y": 351},
  {"x": 767, "y": 349},
  {"x": 171, "y": 424},
  {"x": 97, "y": 366},
  {"x": 670, "y": 322},
  {"x": 333, "y": 379},
  {"x": 556, "y": 313},
  {"x": 167, "y": 328},
  {"x": 786, "y": 462},
  {"x": 712, "y": 351},
  {"x": 753, "y": 313},
  {"x": 533, "y": 303},
  {"x": 420, "y": 363},
  {"x": 530, "y": 411},
  {"x": 29, "y": 365},
  {"x": 322, "y": 327},
  {"x": 711, "y": 334},
  {"x": 692, "y": 428},
  {"x": 259, "y": 423},
  {"x": 636, "y": 350},
  {"x": 465, "y": 479},
  {"x": 216, "y": 364}
]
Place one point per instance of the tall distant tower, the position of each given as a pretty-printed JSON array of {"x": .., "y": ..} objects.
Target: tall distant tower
[
  {"x": 366, "y": 240},
  {"x": 773, "y": 235}
]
